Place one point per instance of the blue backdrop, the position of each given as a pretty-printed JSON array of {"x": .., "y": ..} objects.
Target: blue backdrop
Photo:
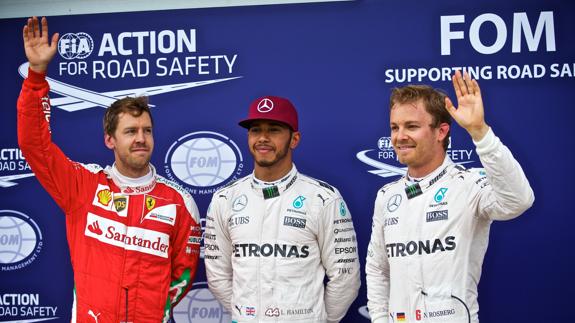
[{"x": 337, "y": 62}]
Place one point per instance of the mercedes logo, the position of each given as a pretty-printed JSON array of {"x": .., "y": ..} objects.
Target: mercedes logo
[
  {"x": 240, "y": 203},
  {"x": 265, "y": 105},
  {"x": 393, "y": 203}
]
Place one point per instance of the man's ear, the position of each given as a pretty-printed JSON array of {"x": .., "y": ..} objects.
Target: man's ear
[
  {"x": 295, "y": 138},
  {"x": 443, "y": 131},
  {"x": 109, "y": 141}
]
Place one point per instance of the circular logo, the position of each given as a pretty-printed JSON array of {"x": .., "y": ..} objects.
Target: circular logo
[
  {"x": 203, "y": 159},
  {"x": 240, "y": 203},
  {"x": 394, "y": 202},
  {"x": 265, "y": 105},
  {"x": 298, "y": 202},
  {"x": 384, "y": 143},
  {"x": 78, "y": 45},
  {"x": 20, "y": 240},
  {"x": 200, "y": 306}
]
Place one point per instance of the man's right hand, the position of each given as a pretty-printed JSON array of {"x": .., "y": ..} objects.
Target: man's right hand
[{"x": 38, "y": 50}]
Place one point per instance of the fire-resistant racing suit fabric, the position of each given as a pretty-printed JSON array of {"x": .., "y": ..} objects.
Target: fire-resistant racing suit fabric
[
  {"x": 134, "y": 249},
  {"x": 269, "y": 249},
  {"x": 429, "y": 239}
]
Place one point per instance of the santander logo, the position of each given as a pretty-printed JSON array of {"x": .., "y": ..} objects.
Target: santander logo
[
  {"x": 127, "y": 237},
  {"x": 95, "y": 227}
]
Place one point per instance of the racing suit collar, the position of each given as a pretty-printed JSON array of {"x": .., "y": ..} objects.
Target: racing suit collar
[
  {"x": 269, "y": 190},
  {"x": 132, "y": 186},
  {"x": 414, "y": 189}
]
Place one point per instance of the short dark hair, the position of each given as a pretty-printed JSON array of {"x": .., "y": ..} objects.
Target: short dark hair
[
  {"x": 433, "y": 100},
  {"x": 132, "y": 105}
]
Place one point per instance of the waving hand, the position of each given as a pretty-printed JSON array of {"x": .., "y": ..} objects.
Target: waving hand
[
  {"x": 469, "y": 114},
  {"x": 39, "y": 50}
]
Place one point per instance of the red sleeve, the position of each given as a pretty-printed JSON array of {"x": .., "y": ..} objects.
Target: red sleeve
[{"x": 65, "y": 181}]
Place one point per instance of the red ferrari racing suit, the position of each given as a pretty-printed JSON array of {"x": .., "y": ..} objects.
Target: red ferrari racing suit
[{"x": 134, "y": 248}]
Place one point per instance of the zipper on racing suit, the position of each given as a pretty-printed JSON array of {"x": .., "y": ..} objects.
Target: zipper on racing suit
[{"x": 126, "y": 289}]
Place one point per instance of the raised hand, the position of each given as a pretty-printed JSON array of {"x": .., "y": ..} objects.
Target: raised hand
[
  {"x": 39, "y": 50},
  {"x": 469, "y": 114}
]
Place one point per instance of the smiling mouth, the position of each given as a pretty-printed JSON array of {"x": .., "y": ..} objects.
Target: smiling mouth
[{"x": 263, "y": 149}]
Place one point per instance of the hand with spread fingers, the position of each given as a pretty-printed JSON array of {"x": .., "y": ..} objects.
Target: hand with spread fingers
[
  {"x": 469, "y": 114},
  {"x": 39, "y": 50}
]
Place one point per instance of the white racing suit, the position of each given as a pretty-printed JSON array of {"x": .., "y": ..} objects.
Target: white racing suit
[
  {"x": 429, "y": 239},
  {"x": 270, "y": 247}
]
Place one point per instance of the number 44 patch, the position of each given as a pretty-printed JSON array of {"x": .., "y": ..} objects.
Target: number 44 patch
[{"x": 272, "y": 311}]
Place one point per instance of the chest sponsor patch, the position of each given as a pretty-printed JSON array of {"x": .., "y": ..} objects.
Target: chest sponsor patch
[
  {"x": 295, "y": 222},
  {"x": 165, "y": 214},
  {"x": 130, "y": 238},
  {"x": 103, "y": 197},
  {"x": 436, "y": 216}
]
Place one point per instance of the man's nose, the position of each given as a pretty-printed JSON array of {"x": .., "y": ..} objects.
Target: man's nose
[{"x": 140, "y": 136}]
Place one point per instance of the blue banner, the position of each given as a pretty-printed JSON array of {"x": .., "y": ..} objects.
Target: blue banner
[{"x": 337, "y": 63}]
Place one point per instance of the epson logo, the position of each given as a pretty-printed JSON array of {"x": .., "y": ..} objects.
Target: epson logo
[
  {"x": 294, "y": 222},
  {"x": 270, "y": 250},
  {"x": 420, "y": 247},
  {"x": 436, "y": 216},
  {"x": 345, "y": 250},
  {"x": 521, "y": 30}
]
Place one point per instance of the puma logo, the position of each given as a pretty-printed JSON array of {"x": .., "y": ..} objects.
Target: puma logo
[{"x": 94, "y": 315}]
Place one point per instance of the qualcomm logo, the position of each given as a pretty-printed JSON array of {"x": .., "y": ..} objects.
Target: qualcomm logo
[
  {"x": 204, "y": 161},
  {"x": 385, "y": 162},
  {"x": 200, "y": 306},
  {"x": 20, "y": 240},
  {"x": 13, "y": 166},
  {"x": 76, "y": 98}
]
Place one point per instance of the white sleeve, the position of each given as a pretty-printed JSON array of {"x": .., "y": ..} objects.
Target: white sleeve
[
  {"x": 377, "y": 267},
  {"x": 218, "y": 252},
  {"x": 506, "y": 192},
  {"x": 338, "y": 248}
]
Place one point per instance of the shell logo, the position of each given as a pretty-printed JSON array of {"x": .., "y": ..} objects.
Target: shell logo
[{"x": 104, "y": 197}]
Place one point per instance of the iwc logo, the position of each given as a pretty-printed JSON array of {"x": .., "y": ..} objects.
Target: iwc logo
[
  {"x": 203, "y": 161},
  {"x": 20, "y": 240},
  {"x": 200, "y": 306}
]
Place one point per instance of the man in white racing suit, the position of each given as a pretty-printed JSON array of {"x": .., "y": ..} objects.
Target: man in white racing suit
[
  {"x": 431, "y": 227},
  {"x": 272, "y": 237}
]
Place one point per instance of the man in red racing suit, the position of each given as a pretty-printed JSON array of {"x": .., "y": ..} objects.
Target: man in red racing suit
[{"x": 133, "y": 236}]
